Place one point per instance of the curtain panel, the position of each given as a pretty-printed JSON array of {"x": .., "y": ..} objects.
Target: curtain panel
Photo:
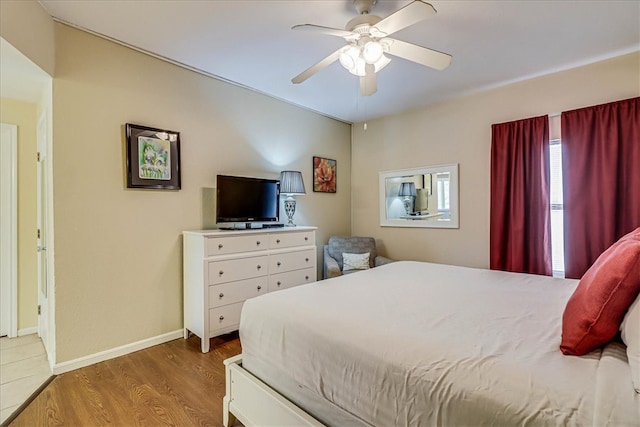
[
  {"x": 601, "y": 179},
  {"x": 520, "y": 235}
]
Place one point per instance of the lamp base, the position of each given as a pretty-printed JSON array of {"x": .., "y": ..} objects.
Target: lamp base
[
  {"x": 408, "y": 205},
  {"x": 290, "y": 210}
]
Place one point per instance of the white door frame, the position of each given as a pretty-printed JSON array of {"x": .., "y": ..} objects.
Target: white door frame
[
  {"x": 9, "y": 230},
  {"x": 42, "y": 210}
]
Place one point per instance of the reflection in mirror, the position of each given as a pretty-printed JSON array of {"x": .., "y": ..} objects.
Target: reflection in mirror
[{"x": 421, "y": 197}]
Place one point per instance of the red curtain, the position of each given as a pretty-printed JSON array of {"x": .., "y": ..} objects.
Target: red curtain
[
  {"x": 520, "y": 236},
  {"x": 601, "y": 176}
]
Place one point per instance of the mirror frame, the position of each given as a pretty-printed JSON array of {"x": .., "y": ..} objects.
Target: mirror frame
[{"x": 453, "y": 222}]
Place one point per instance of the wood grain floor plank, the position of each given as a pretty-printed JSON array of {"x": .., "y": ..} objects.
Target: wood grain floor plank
[{"x": 172, "y": 384}]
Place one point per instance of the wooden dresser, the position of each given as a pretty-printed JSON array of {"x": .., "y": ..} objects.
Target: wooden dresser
[{"x": 222, "y": 269}]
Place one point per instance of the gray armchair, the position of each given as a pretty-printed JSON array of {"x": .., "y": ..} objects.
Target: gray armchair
[{"x": 337, "y": 245}]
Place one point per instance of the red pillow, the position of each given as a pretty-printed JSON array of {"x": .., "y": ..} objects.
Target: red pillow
[{"x": 594, "y": 312}]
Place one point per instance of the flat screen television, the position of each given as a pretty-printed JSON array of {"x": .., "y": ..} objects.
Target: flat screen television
[{"x": 247, "y": 200}]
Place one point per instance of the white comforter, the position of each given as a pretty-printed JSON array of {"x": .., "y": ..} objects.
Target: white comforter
[{"x": 413, "y": 343}]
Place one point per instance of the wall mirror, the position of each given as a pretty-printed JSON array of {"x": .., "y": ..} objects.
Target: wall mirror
[{"x": 420, "y": 197}]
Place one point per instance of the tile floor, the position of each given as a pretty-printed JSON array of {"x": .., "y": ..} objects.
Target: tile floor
[{"x": 23, "y": 368}]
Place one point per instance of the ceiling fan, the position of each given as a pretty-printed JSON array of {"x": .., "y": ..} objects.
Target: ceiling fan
[{"x": 368, "y": 41}]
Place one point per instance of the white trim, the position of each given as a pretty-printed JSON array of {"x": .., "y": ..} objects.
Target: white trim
[
  {"x": 27, "y": 331},
  {"x": 81, "y": 362},
  {"x": 46, "y": 104},
  {"x": 11, "y": 244},
  {"x": 42, "y": 212}
]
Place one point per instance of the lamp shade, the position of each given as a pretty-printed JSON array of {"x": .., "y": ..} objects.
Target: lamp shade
[
  {"x": 407, "y": 189},
  {"x": 291, "y": 183}
]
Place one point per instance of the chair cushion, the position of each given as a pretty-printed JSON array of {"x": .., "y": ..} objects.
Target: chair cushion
[{"x": 353, "y": 245}]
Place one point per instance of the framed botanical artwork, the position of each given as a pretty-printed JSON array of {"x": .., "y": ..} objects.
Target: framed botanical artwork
[
  {"x": 324, "y": 175},
  {"x": 153, "y": 158}
]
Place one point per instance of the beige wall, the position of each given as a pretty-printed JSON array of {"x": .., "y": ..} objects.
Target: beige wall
[
  {"x": 23, "y": 114},
  {"x": 459, "y": 131},
  {"x": 28, "y": 27},
  {"x": 118, "y": 251}
]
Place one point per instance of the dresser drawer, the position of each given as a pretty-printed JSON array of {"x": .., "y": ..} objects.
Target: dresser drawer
[
  {"x": 235, "y": 244},
  {"x": 289, "y": 261},
  {"x": 224, "y": 317},
  {"x": 290, "y": 239},
  {"x": 237, "y": 269},
  {"x": 229, "y": 293},
  {"x": 291, "y": 278}
]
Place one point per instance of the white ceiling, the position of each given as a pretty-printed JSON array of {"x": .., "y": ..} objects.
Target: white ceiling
[{"x": 250, "y": 42}]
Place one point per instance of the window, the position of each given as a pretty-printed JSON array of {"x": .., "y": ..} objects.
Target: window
[
  {"x": 443, "y": 191},
  {"x": 557, "y": 208}
]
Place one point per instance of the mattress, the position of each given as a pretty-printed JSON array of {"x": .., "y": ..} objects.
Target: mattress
[{"x": 413, "y": 343}]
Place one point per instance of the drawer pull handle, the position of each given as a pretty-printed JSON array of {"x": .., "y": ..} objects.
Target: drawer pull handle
[
  {"x": 279, "y": 283},
  {"x": 258, "y": 243},
  {"x": 259, "y": 266},
  {"x": 306, "y": 277},
  {"x": 221, "y": 318},
  {"x": 306, "y": 259},
  {"x": 278, "y": 263},
  {"x": 259, "y": 287},
  {"x": 306, "y": 238},
  {"x": 278, "y": 241},
  {"x": 221, "y": 273},
  {"x": 220, "y": 246},
  {"x": 221, "y": 295}
]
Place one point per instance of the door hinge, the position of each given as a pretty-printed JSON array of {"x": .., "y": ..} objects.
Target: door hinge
[
  {"x": 39, "y": 310},
  {"x": 38, "y": 156},
  {"x": 38, "y": 233}
]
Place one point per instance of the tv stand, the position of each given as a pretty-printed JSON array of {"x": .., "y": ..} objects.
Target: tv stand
[
  {"x": 222, "y": 269},
  {"x": 276, "y": 225}
]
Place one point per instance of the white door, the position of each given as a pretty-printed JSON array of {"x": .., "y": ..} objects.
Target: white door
[
  {"x": 8, "y": 230},
  {"x": 43, "y": 286}
]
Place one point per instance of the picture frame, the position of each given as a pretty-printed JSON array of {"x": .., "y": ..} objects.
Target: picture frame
[
  {"x": 153, "y": 158},
  {"x": 324, "y": 175}
]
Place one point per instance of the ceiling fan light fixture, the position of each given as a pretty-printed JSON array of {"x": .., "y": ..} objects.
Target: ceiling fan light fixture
[
  {"x": 372, "y": 52},
  {"x": 349, "y": 57},
  {"x": 381, "y": 63},
  {"x": 359, "y": 69},
  {"x": 353, "y": 60},
  {"x": 361, "y": 66},
  {"x": 368, "y": 42}
]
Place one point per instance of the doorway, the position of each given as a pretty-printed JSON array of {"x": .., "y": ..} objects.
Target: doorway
[
  {"x": 27, "y": 101},
  {"x": 8, "y": 230}
]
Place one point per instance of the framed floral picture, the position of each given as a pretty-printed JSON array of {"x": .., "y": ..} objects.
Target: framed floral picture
[
  {"x": 153, "y": 158},
  {"x": 324, "y": 175}
]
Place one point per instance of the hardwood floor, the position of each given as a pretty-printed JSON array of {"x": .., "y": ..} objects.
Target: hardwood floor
[{"x": 171, "y": 384}]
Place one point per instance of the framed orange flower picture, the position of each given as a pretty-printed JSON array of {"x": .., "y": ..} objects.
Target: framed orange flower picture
[{"x": 324, "y": 175}]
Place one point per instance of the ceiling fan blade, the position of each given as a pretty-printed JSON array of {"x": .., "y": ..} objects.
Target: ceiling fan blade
[
  {"x": 415, "y": 11},
  {"x": 317, "y": 67},
  {"x": 421, "y": 55},
  {"x": 348, "y": 35},
  {"x": 368, "y": 84}
]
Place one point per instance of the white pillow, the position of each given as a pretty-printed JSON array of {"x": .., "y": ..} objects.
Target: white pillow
[
  {"x": 355, "y": 261},
  {"x": 630, "y": 329}
]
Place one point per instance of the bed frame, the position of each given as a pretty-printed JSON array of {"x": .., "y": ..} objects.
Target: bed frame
[{"x": 252, "y": 402}]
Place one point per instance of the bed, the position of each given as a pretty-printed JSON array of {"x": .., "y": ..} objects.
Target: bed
[{"x": 414, "y": 343}]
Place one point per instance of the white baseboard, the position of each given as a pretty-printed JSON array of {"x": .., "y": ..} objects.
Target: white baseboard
[
  {"x": 81, "y": 362},
  {"x": 27, "y": 331}
]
